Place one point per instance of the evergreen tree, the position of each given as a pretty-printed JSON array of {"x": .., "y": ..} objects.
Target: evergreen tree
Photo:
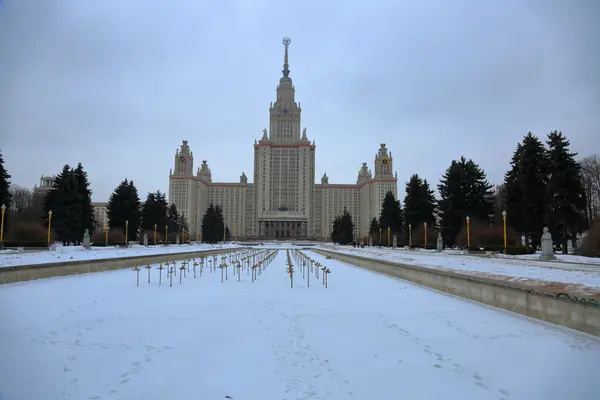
[
  {"x": 65, "y": 202},
  {"x": 391, "y": 216},
  {"x": 5, "y": 196},
  {"x": 464, "y": 191},
  {"x": 526, "y": 189},
  {"x": 117, "y": 208},
  {"x": 124, "y": 205},
  {"x": 335, "y": 231},
  {"x": 154, "y": 212},
  {"x": 84, "y": 192},
  {"x": 343, "y": 229},
  {"x": 419, "y": 203},
  {"x": 147, "y": 215},
  {"x": 565, "y": 189},
  {"x": 219, "y": 223},
  {"x": 136, "y": 210},
  {"x": 173, "y": 219},
  {"x": 374, "y": 230},
  {"x": 209, "y": 227}
]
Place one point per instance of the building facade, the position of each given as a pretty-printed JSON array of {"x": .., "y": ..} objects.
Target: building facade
[
  {"x": 100, "y": 215},
  {"x": 46, "y": 184},
  {"x": 283, "y": 201}
]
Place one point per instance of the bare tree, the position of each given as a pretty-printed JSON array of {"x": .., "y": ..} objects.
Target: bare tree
[
  {"x": 27, "y": 205},
  {"x": 22, "y": 199},
  {"x": 590, "y": 171}
]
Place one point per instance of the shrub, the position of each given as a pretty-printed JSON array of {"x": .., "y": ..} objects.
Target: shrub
[
  {"x": 159, "y": 237},
  {"x": 116, "y": 237},
  {"x": 27, "y": 234},
  {"x": 418, "y": 237},
  {"x": 487, "y": 237},
  {"x": 590, "y": 246},
  {"x": 173, "y": 238},
  {"x": 519, "y": 250}
]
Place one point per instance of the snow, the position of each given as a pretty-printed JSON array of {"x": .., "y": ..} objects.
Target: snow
[
  {"x": 367, "y": 336},
  {"x": 79, "y": 253},
  {"x": 565, "y": 258},
  {"x": 580, "y": 278}
]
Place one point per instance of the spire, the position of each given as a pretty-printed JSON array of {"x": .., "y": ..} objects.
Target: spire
[{"x": 286, "y": 42}]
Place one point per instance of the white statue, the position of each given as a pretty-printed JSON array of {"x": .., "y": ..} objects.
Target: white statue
[{"x": 547, "y": 245}]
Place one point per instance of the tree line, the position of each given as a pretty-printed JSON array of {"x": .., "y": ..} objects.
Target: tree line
[
  {"x": 67, "y": 209},
  {"x": 545, "y": 187},
  {"x": 154, "y": 218},
  {"x": 27, "y": 214}
]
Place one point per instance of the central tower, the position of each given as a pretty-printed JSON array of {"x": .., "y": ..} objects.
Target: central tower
[
  {"x": 284, "y": 167},
  {"x": 285, "y": 113}
]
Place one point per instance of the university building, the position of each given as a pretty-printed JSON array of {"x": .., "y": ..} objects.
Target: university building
[{"x": 283, "y": 200}]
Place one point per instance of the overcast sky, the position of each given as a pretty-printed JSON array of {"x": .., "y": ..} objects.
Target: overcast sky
[{"x": 118, "y": 84}]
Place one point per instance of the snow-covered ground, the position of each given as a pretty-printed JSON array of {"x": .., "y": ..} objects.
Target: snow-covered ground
[
  {"x": 13, "y": 258},
  {"x": 578, "y": 278},
  {"x": 366, "y": 336},
  {"x": 564, "y": 258}
]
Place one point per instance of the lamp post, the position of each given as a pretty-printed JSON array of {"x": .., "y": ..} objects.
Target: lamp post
[
  {"x": 409, "y": 236},
  {"x": 155, "y": 226},
  {"x": 3, "y": 208},
  {"x": 166, "y": 234},
  {"x": 106, "y": 232},
  {"x": 389, "y": 243},
  {"x": 468, "y": 232},
  {"x": 425, "y": 235},
  {"x": 49, "y": 226},
  {"x": 126, "y": 232},
  {"x": 504, "y": 223},
  {"x": 379, "y": 237},
  {"x": 200, "y": 235}
]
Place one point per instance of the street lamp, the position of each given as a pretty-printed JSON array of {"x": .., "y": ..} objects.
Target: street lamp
[
  {"x": 126, "y": 232},
  {"x": 380, "y": 237},
  {"x": 3, "y": 208},
  {"x": 425, "y": 235},
  {"x": 409, "y": 236},
  {"x": 166, "y": 234},
  {"x": 155, "y": 234},
  {"x": 389, "y": 243},
  {"x": 49, "y": 225},
  {"x": 504, "y": 223},
  {"x": 468, "y": 232},
  {"x": 106, "y": 232}
]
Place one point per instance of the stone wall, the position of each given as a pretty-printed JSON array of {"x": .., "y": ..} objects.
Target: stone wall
[
  {"x": 519, "y": 298},
  {"x": 40, "y": 271}
]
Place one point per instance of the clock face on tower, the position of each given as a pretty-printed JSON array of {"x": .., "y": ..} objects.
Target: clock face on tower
[
  {"x": 385, "y": 161},
  {"x": 285, "y": 110},
  {"x": 182, "y": 158}
]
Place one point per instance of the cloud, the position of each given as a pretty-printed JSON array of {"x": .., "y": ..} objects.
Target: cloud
[{"x": 118, "y": 85}]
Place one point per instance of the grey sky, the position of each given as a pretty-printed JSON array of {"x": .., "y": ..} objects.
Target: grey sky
[{"x": 118, "y": 84}]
